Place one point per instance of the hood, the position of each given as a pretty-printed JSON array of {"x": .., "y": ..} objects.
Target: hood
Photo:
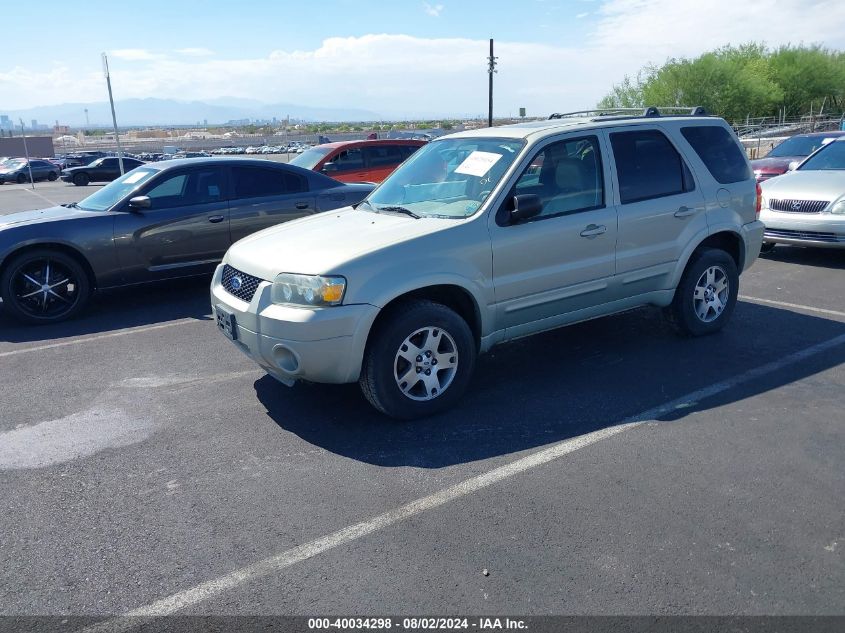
[
  {"x": 322, "y": 243},
  {"x": 50, "y": 214},
  {"x": 774, "y": 164},
  {"x": 816, "y": 184}
]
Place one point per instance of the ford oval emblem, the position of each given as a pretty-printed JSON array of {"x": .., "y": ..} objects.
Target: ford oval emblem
[{"x": 237, "y": 282}]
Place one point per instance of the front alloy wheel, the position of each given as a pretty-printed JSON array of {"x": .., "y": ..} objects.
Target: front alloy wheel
[
  {"x": 426, "y": 363},
  {"x": 419, "y": 360},
  {"x": 44, "y": 287}
]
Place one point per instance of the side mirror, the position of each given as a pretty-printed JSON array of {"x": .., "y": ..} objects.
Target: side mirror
[
  {"x": 793, "y": 165},
  {"x": 329, "y": 167},
  {"x": 525, "y": 206},
  {"x": 140, "y": 202}
]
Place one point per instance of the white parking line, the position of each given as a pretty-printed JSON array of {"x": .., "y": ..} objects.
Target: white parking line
[
  {"x": 796, "y": 306},
  {"x": 45, "y": 198},
  {"x": 277, "y": 563},
  {"x": 87, "y": 339}
]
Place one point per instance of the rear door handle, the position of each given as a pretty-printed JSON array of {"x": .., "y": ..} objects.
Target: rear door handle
[
  {"x": 301, "y": 205},
  {"x": 214, "y": 219},
  {"x": 684, "y": 212},
  {"x": 593, "y": 230}
]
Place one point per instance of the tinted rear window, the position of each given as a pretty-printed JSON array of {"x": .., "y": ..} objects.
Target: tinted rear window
[
  {"x": 252, "y": 182},
  {"x": 718, "y": 150},
  {"x": 648, "y": 166}
]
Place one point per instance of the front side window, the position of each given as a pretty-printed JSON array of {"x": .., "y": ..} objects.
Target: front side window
[
  {"x": 188, "y": 188},
  {"x": 648, "y": 166},
  {"x": 719, "y": 152},
  {"x": 567, "y": 176},
  {"x": 349, "y": 159},
  {"x": 450, "y": 178}
]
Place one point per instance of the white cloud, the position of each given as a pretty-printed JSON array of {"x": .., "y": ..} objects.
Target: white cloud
[
  {"x": 397, "y": 74},
  {"x": 433, "y": 10},
  {"x": 581, "y": 15},
  {"x": 195, "y": 52}
]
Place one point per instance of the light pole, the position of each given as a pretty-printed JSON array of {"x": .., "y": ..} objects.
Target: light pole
[
  {"x": 26, "y": 153},
  {"x": 113, "y": 116}
]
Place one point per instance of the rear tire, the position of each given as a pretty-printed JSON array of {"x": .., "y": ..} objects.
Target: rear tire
[
  {"x": 419, "y": 361},
  {"x": 21, "y": 179},
  {"x": 80, "y": 180},
  {"x": 52, "y": 176},
  {"x": 23, "y": 281},
  {"x": 706, "y": 295}
]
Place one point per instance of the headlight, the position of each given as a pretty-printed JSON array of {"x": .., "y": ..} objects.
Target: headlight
[
  {"x": 308, "y": 290},
  {"x": 839, "y": 207}
]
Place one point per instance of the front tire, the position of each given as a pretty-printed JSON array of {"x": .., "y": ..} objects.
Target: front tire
[
  {"x": 52, "y": 176},
  {"x": 419, "y": 361},
  {"x": 21, "y": 179},
  {"x": 44, "y": 286},
  {"x": 706, "y": 295},
  {"x": 80, "y": 180}
]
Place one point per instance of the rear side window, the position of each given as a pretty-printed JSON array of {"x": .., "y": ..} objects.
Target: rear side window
[
  {"x": 648, "y": 166},
  {"x": 719, "y": 152},
  {"x": 383, "y": 155},
  {"x": 251, "y": 182}
]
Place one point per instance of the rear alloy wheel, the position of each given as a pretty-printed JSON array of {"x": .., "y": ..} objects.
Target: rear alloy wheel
[
  {"x": 44, "y": 286},
  {"x": 80, "y": 180},
  {"x": 21, "y": 179},
  {"x": 419, "y": 361},
  {"x": 706, "y": 296}
]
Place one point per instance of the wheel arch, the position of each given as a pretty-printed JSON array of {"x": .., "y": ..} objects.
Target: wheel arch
[
  {"x": 727, "y": 240},
  {"x": 453, "y": 296},
  {"x": 66, "y": 249}
]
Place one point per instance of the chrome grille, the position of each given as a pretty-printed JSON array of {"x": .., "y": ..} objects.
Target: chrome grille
[
  {"x": 245, "y": 288},
  {"x": 788, "y": 205},
  {"x": 816, "y": 236}
]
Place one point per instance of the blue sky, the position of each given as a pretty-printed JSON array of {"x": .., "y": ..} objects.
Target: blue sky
[{"x": 405, "y": 57}]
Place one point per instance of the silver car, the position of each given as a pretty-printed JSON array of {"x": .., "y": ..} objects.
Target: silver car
[
  {"x": 806, "y": 206},
  {"x": 488, "y": 235}
]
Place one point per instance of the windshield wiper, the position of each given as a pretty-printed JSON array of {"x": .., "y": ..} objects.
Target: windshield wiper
[{"x": 400, "y": 210}]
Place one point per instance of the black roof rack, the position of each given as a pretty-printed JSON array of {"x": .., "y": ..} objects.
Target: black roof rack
[{"x": 633, "y": 113}]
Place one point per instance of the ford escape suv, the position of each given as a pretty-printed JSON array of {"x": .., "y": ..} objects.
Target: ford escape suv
[{"x": 487, "y": 235}]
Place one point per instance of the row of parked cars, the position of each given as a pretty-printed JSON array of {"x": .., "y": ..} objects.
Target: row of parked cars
[
  {"x": 291, "y": 148},
  {"x": 803, "y": 184},
  {"x": 475, "y": 239}
]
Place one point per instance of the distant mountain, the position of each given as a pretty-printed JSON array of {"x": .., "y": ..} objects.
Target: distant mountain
[{"x": 132, "y": 112}]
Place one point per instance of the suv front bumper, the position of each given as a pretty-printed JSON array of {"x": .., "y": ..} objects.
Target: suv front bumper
[{"x": 291, "y": 343}]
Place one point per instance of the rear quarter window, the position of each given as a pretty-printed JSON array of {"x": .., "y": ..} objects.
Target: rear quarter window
[{"x": 719, "y": 152}]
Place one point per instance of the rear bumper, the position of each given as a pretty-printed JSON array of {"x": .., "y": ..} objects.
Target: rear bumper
[{"x": 752, "y": 236}]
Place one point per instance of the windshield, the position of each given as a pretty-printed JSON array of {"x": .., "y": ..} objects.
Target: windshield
[
  {"x": 116, "y": 190},
  {"x": 831, "y": 156},
  {"x": 13, "y": 163},
  {"x": 800, "y": 146},
  {"x": 309, "y": 158},
  {"x": 450, "y": 178}
]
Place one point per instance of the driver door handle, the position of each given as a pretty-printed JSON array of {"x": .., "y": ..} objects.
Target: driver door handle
[
  {"x": 684, "y": 212},
  {"x": 214, "y": 219},
  {"x": 301, "y": 205},
  {"x": 593, "y": 230}
]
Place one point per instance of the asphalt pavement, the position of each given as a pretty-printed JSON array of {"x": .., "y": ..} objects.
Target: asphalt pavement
[{"x": 610, "y": 467}]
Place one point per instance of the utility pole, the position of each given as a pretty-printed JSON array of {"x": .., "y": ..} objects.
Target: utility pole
[
  {"x": 26, "y": 152},
  {"x": 491, "y": 68},
  {"x": 113, "y": 116}
]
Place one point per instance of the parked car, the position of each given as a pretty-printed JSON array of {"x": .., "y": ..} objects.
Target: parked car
[
  {"x": 492, "y": 234},
  {"x": 357, "y": 161},
  {"x": 806, "y": 207},
  {"x": 793, "y": 149},
  {"x": 160, "y": 221},
  {"x": 101, "y": 170},
  {"x": 19, "y": 169}
]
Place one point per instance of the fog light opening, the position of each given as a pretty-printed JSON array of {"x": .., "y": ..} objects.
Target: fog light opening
[{"x": 286, "y": 359}]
